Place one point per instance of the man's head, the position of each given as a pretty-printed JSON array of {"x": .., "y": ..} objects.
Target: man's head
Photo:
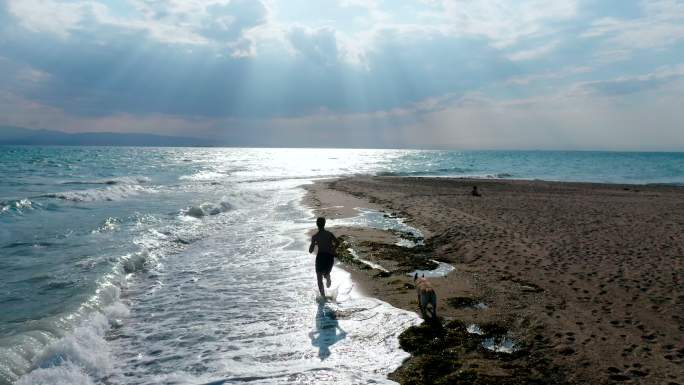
[{"x": 320, "y": 222}]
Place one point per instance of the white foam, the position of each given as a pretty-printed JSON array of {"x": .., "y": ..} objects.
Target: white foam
[
  {"x": 19, "y": 205},
  {"x": 204, "y": 176},
  {"x": 135, "y": 261},
  {"x": 23, "y": 204},
  {"x": 112, "y": 193},
  {"x": 79, "y": 357},
  {"x": 67, "y": 374},
  {"x": 474, "y": 329},
  {"x": 207, "y": 208},
  {"x": 84, "y": 347},
  {"x": 109, "y": 224}
]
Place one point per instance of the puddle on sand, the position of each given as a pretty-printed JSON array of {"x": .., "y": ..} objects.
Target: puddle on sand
[
  {"x": 500, "y": 345},
  {"x": 442, "y": 270},
  {"x": 382, "y": 221},
  {"x": 474, "y": 329}
]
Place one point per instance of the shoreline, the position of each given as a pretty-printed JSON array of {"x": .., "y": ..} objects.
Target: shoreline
[{"x": 583, "y": 277}]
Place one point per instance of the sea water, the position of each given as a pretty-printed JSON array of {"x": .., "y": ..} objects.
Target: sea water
[{"x": 190, "y": 265}]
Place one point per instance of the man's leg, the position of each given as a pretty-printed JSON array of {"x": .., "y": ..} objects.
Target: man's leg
[
  {"x": 328, "y": 282},
  {"x": 319, "y": 277}
]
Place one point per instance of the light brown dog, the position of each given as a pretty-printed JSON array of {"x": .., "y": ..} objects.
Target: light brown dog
[{"x": 426, "y": 296}]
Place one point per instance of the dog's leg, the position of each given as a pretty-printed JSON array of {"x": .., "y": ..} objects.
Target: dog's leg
[
  {"x": 434, "y": 306},
  {"x": 420, "y": 306}
]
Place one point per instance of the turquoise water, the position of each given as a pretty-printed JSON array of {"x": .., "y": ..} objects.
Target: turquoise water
[{"x": 138, "y": 265}]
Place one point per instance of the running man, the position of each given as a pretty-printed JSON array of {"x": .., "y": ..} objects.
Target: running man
[{"x": 327, "y": 243}]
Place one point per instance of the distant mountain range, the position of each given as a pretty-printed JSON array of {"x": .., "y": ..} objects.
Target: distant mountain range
[{"x": 25, "y": 136}]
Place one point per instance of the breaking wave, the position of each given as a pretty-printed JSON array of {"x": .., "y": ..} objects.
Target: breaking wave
[
  {"x": 204, "y": 176},
  {"x": 67, "y": 349},
  {"x": 112, "y": 181},
  {"x": 71, "y": 348},
  {"x": 207, "y": 208},
  {"x": 113, "y": 193},
  {"x": 17, "y": 205}
]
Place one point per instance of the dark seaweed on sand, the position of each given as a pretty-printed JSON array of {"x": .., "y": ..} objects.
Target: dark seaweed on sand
[{"x": 448, "y": 354}]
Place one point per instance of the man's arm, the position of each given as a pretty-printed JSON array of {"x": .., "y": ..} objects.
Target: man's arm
[
  {"x": 311, "y": 247},
  {"x": 335, "y": 242}
]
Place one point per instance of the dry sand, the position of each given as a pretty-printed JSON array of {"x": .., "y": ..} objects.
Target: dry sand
[{"x": 588, "y": 278}]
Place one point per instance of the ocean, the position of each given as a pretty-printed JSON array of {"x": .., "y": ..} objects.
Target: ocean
[{"x": 189, "y": 265}]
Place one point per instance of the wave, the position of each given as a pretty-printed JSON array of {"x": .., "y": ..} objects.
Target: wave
[
  {"x": 109, "y": 224},
  {"x": 437, "y": 171},
  {"x": 112, "y": 181},
  {"x": 206, "y": 209},
  {"x": 112, "y": 193},
  {"x": 68, "y": 374},
  {"x": 56, "y": 352},
  {"x": 80, "y": 356},
  {"x": 18, "y": 205},
  {"x": 454, "y": 172},
  {"x": 138, "y": 261},
  {"x": 204, "y": 176},
  {"x": 228, "y": 202},
  {"x": 71, "y": 348}
]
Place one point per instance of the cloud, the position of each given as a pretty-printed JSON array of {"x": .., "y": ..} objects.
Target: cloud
[
  {"x": 631, "y": 85},
  {"x": 123, "y": 71},
  {"x": 48, "y": 16},
  {"x": 174, "y": 21},
  {"x": 317, "y": 45},
  {"x": 503, "y": 22},
  {"x": 660, "y": 26},
  {"x": 588, "y": 123},
  {"x": 534, "y": 53},
  {"x": 563, "y": 73},
  {"x": 379, "y": 71},
  {"x": 229, "y": 21}
]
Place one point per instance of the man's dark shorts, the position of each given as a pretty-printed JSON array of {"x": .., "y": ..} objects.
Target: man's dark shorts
[{"x": 324, "y": 263}]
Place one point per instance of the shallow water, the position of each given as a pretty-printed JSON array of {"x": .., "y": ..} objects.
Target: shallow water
[
  {"x": 186, "y": 265},
  {"x": 383, "y": 221},
  {"x": 500, "y": 345},
  {"x": 442, "y": 270}
]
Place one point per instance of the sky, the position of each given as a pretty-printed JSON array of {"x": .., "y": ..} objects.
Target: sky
[{"x": 458, "y": 74}]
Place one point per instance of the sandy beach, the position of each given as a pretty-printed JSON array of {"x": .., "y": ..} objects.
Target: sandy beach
[{"x": 585, "y": 280}]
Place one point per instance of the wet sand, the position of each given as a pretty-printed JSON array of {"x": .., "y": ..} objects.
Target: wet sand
[{"x": 587, "y": 279}]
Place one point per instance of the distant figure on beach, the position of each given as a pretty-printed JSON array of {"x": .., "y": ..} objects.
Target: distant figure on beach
[
  {"x": 325, "y": 257},
  {"x": 475, "y": 193}
]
